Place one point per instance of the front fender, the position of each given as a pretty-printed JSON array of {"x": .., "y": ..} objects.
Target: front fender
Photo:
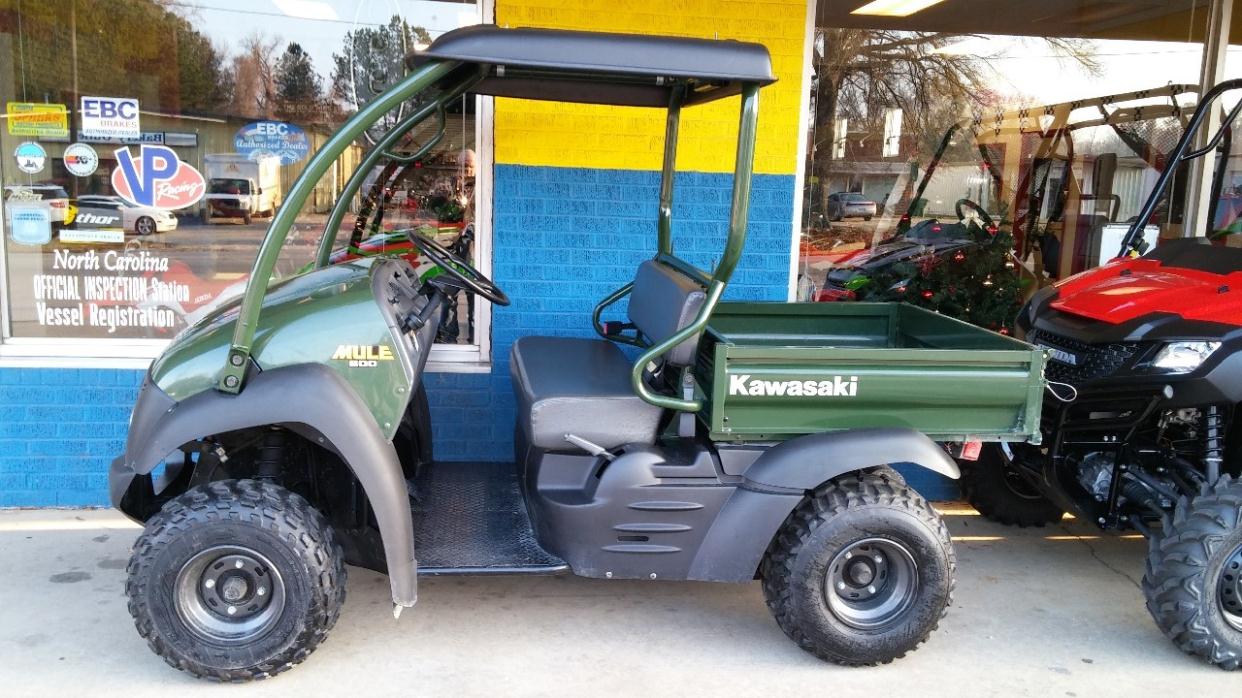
[{"x": 309, "y": 394}]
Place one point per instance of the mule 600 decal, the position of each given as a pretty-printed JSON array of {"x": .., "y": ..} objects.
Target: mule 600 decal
[{"x": 363, "y": 355}]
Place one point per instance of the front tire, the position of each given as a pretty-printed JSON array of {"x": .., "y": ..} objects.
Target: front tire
[
  {"x": 236, "y": 580},
  {"x": 999, "y": 493},
  {"x": 862, "y": 572},
  {"x": 144, "y": 226},
  {"x": 1193, "y": 581}
]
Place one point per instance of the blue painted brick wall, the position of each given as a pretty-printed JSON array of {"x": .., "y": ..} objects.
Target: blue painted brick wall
[
  {"x": 59, "y": 429},
  {"x": 563, "y": 239}
]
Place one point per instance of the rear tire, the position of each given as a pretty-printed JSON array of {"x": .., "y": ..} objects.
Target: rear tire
[
  {"x": 992, "y": 487},
  {"x": 884, "y": 603},
  {"x": 1194, "y": 576},
  {"x": 247, "y": 218},
  {"x": 236, "y": 580},
  {"x": 144, "y": 225}
]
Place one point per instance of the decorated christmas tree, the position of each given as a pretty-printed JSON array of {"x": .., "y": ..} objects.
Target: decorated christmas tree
[{"x": 978, "y": 282}]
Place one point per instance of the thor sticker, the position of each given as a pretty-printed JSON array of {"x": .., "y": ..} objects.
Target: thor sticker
[
  {"x": 839, "y": 386},
  {"x": 363, "y": 355}
]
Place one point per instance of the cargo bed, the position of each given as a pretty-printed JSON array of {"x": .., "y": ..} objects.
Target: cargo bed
[{"x": 769, "y": 371}]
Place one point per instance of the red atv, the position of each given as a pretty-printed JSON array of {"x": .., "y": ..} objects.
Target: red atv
[{"x": 1145, "y": 354}]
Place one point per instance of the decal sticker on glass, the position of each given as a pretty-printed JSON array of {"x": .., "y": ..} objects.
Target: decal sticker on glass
[
  {"x": 287, "y": 141},
  {"x": 81, "y": 160},
  {"x": 100, "y": 219},
  {"x": 110, "y": 117},
  {"x": 156, "y": 178},
  {"x": 93, "y": 235},
  {"x": 38, "y": 120},
  {"x": 30, "y": 157},
  {"x": 30, "y": 223}
]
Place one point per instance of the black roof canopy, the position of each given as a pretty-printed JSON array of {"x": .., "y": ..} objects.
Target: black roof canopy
[{"x": 599, "y": 68}]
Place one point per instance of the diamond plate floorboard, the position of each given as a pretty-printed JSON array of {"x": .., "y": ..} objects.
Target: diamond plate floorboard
[{"x": 470, "y": 518}]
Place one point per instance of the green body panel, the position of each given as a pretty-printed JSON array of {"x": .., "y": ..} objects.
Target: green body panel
[
  {"x": 770, "y": 371},
  {"x": 305, "y": 319}
]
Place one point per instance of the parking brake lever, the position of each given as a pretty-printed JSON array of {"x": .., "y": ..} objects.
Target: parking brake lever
[{"x": 591, "y": 448}]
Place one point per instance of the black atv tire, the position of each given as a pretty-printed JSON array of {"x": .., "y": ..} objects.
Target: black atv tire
[
  {"x": 1000, "y": 495},
  {"x": 197, "y": 539},
  {"x": 1194, "y": 575},
  {"x": 859, "y": 512},
  {"x": 886, "y": 471}
]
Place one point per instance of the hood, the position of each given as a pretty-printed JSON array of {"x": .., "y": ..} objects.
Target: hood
[
  {"x": 1123, "y": 291},
  {"x": 301, "y": 317}
]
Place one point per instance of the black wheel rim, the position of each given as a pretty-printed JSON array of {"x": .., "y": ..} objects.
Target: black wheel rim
[
  {"x": 229, "y": 594},
  {"x": 871, "y": 583},
  {"x": 1229, "y": 590}
]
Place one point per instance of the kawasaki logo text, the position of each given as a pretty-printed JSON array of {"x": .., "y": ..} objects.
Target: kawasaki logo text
[{"x": 839, "y": 386}]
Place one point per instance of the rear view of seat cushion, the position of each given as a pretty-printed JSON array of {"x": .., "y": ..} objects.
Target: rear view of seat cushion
[
  {"x": 664, "y": 301},
  {"x": 580, "y": 387}
]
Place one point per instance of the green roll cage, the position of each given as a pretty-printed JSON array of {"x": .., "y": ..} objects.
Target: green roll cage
[{"x": 454, "y": 83}]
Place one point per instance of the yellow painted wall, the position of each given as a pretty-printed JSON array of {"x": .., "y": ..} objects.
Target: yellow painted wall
[{"x": 572, "y": 135}]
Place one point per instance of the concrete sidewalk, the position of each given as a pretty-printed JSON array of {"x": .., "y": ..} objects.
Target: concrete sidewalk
[{"x": 1047, "y": 612}]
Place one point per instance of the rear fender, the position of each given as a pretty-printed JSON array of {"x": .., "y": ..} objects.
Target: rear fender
[
  {"x": 808, "y": 461},
  {"x": 780, "y": 479},
  {"x": 309, "y": 398}
]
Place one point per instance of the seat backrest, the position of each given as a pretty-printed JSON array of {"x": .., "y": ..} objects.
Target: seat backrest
[{"x": 662, "y": 302}]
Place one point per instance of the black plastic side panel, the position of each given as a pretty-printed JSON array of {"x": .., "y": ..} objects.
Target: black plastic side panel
[
  {"x": 809, "y": 461},
  {"x": 670, "y": 512},
  {"x": 311, "y": 395},
  {"x": 740, "y": 536},
  {"x": 641, "y": 516}
]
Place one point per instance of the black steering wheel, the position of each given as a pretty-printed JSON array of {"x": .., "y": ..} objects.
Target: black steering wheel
[
  {"x": 462, "y": 273},
  {"x": 983, "y": 215}
]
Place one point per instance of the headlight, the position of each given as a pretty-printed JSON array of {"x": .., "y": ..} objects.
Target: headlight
[{"x": 1183, "y": 357}]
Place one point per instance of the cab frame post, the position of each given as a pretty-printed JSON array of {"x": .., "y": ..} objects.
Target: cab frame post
[
  {"x": 672, "y": 127},
  {"x": 738, "y": 215},
  {"x": 234, "y": 373}
]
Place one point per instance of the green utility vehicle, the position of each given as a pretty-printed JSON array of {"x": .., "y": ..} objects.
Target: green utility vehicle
[{"x": 287, "y": 433}]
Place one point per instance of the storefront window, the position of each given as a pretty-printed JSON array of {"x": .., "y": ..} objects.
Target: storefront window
[
  {"x": 960, "y": 162},
  {"x": 147, "y": 146}
]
